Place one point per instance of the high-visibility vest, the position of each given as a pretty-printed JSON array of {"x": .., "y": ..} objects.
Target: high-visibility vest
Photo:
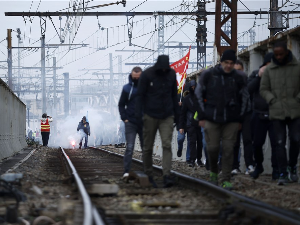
[{"x": 45, "y": 126}]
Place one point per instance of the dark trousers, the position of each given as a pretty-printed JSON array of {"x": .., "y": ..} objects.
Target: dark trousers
[
  {"x": 165, "y": 127},
  {"x": 214, "y": 133},
  {"x": 131, "y": 130},
  {"x": 45, "y": 138},
  {"x": 260, "y": 128},
  {"x": 245, "y": 132},
  {"x": 195, "y": 137},
  {"x": 294, "y": 136}
]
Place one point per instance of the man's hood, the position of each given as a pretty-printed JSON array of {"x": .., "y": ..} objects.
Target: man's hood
[
  {"x": 162, "y": 63},
  {"x": 130, "y": 79}
]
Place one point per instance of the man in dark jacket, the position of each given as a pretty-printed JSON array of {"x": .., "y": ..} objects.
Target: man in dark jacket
[
  {"x": 260, "y": 123},
  {"x": 181, "y": 137},
  {"x": 127, "y": 104},
  {"x": 280, "y": 87},
  {"x": 245, "y": 133},
  {"x": 222, "y": 96},
  {"x": 186, "y": 121},
  {"x": 157, "y": 99},
  {"x": 84, "y": 129}
]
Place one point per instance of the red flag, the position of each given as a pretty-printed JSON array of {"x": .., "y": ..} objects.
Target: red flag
[{"x": 180, "y": 68}]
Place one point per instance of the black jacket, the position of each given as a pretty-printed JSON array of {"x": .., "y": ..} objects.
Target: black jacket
[
  {"x": 259, "y": 104},
  {"x": 222, "y": 97},
  {"x": 189, "y": 108},
  {"x": 157, "y": 92},
  {"x": 127, "y": 101},
  {"x": 85, "y": 127}
]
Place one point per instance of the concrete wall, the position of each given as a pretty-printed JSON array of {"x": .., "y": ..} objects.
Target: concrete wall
[{"x": 12, "y": 122}]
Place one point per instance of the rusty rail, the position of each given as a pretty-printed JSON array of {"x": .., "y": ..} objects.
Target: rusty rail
[{"x": 267, "y": 213}]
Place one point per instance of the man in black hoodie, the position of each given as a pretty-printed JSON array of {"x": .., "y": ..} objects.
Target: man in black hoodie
[
  {"x": 261, "y": 125},
  {"x": 157, "y": 99},
  {"x": 84, "y": 128},
  {"x": 127, "y": 112},
  {"x": 222, "y": 96},
  {"x": 186, "y": 121}
]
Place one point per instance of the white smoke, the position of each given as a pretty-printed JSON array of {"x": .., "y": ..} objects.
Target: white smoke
[{"x": 103, "y": 125}]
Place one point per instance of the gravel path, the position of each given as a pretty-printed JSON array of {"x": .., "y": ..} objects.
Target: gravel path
[{"x": 263, "y": 189}]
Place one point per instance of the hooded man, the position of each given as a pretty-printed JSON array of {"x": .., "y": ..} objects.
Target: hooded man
[
  {"x": 126, "y": 105},
  {"x": 45, "y": 128},
  {"x": 222, "y": 96},
  {"x": 84, "y": 128},
  {"x": 280, "y": 87},
  {"x": 189, "y": 108},
  {"x": 157, "y": 99},
  {"x": 260, "y": 123}
]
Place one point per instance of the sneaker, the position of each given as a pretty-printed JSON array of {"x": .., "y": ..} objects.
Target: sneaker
[
  {"x": 191, "y": 164},
  {"x": 258, "y": 170},
  {"x": 292, "y": 174},
  {"x": 249, "y": 170},
  {"x": 213, "y": 178},
  {"x": 200, "y": 163},
  {"x": 179, "y": 153},
  {"x": 234, "y": 172},
  {"x": 151, "y": 180},
  {"x": 168, "y": 182},
  {"x": 283, "y": 179},
  {"x": 125, "y": 176},
  {"x": 227, "y": 185}
]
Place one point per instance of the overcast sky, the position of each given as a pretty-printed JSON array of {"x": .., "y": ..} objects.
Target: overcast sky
[{"x": 73, "y": 61}]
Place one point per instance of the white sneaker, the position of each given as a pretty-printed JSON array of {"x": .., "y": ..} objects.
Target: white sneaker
[
  {"x": 234, "y": 172},
  {"x": 251, "y": 169},
  {"x": 125, "y": 176}
]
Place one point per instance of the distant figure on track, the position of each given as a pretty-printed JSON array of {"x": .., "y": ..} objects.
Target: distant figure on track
[
  {"x": 45, "y": 128},
  {"x": 84, "y": 130}
]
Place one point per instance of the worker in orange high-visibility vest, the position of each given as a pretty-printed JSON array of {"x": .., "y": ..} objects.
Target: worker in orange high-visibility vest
[{"x": 45, "y": 128}]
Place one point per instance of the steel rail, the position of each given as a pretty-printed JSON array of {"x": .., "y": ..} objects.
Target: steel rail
[
  {"x": 266, "y": 211},
  {"x": 90, "y": 212}
]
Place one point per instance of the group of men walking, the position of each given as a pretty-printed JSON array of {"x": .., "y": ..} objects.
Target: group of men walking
[{"x": 226, "y": 105}]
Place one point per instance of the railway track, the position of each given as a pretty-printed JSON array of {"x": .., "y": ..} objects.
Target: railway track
[{"x": 191, "y": 201}]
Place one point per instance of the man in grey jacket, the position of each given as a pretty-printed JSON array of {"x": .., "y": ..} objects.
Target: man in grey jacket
[{"x": 280, "y": 87}]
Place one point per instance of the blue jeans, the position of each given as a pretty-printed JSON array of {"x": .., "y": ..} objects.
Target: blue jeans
[
  {"x": 85, "y": 136},
  {"x": 180, "y": 140},
  {"x": 131, "y": 130},
  {"x": 204, "y": 148}
]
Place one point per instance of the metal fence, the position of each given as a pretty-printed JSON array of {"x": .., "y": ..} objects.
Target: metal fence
[{"x": 12, "y": 122}]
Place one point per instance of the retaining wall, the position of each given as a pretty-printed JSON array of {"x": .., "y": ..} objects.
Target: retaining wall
[{"x": 12, "y": 122}]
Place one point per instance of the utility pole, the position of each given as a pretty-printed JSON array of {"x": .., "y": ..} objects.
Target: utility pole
[
  {"x": 54, "y": 85},
  {"x": 111, "y": 82},
  {"x": 120, "y": 83},
  {"x": 161, "y": 35},
  {"x": 225, "y": 41},
  {"x": 66, "y": 94},
  {"x": 201, "y": 34},
  {"x": 276, "y": 18},
  {"x": 19, "y": 60},
  {"x": 9, "y": 59},
  {"x": 43, "y": 70}
]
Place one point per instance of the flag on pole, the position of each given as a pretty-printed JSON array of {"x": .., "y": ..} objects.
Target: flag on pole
[{"x": 180, "y": 68}]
